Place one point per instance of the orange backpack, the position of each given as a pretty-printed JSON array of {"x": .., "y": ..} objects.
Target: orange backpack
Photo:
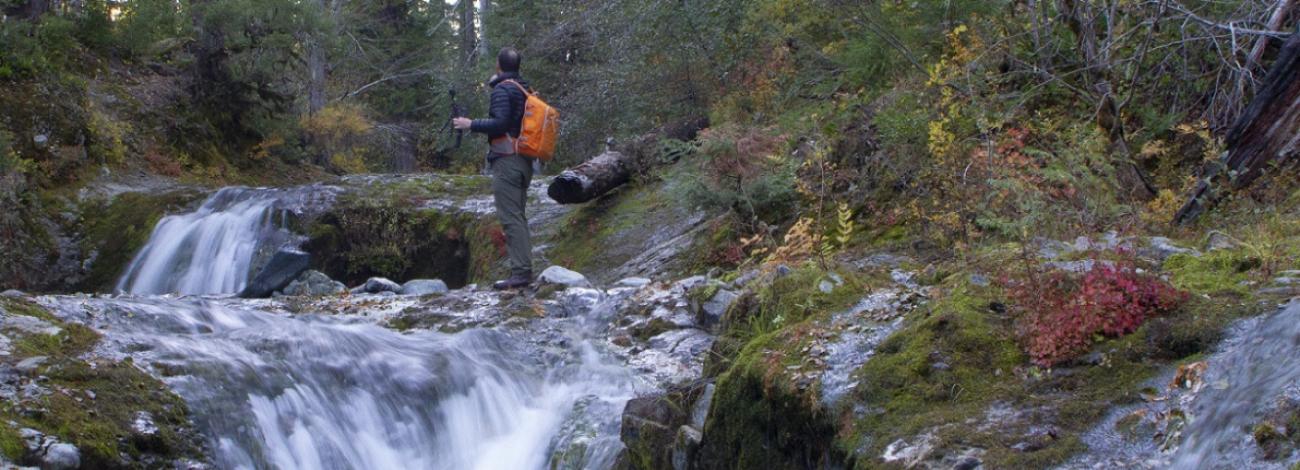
[{"x": 540, "y": 129}]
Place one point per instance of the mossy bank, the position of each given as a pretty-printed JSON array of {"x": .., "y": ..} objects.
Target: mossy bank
[{"x": 116, "y": 415}]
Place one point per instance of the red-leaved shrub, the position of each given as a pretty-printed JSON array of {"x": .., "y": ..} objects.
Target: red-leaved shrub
[{"x": 1060, "y": 314}]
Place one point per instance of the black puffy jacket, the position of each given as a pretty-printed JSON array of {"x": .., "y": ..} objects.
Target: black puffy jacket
[{"x": 506, "y": 111}]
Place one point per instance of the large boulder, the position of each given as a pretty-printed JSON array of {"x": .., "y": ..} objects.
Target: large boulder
[
  {"x": 651, "y": 428},
  {"x": 565, "y": 277},
  {"x": 424, "y": 287},
  {"x": 378, "y": 285},
  {"x": 284, "y": 267},
  {"x": 314, "y": 284},
  {"x": 712, "y": 311}
]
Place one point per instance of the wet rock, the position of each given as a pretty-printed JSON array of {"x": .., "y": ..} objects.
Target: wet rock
[
  {"x": 745, "y": 279},
  {"x": 30, "y": 325},
  {"x": 424, "y": 287},
  {"x": 31, "y": 438},
  {"x": 60, "y": 456},
  {"x": 686, "y": 285},
  {"x": 700, "y": 412},
  {"x": 636, "y": 282},
  {"x": 651, "y": 425},
  {"x": 145, "y": 434},
  {"x": 712, "y": 311},
  {"x": 1219, "y": 241},
  {"x": 30, "y": 365},
  {"x": 1038, "y": 438},
  {"x": 686, "y": 446},
  {"x": 314, "y": 284},
  {"x": 909, "y": 454},
  {"x": 48, "y": 452},
  {"x": 377, "y": 285},
  {"x": 1161, "y": 248},
  {"x": 563, "y": 276},
  {"x": 14, "y": 294},
  {"x": 579, "y": 301},
  {"x": 284, "y": 267}
]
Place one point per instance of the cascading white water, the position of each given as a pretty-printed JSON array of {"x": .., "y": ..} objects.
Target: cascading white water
[
  {"x": 1255, "y": 368},
  {"x": 209, "y": 251},
  {"x": 325, "y": 392},
  {"x": 273, "y": 390}
]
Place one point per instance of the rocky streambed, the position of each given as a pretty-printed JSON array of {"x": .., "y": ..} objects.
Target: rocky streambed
[{"x": 632, "y": 360}]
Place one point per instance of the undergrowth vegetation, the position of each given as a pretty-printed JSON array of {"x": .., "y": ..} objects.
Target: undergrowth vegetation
[{"x": 1062, "y": 313}]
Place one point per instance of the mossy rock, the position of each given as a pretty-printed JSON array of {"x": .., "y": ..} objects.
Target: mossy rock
[
  {"x": 1220, "y": 272},
  {"x": 360, "y": 239},
  {"x": 758, "y": 419},
  {"x": 115, "y": 230},
  {"x": 95, "y": 402},
  {"x": 600, "y": 236}
]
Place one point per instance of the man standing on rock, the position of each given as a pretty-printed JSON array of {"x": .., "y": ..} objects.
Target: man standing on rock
[{"x": 511, "y": 172}]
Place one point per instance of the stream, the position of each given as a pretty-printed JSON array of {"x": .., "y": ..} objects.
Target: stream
[
  {"x": 325, "y": 385},
  {"x": 272, "y": 389}
]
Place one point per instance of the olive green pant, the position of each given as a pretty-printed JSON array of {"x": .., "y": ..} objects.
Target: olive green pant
[{"x": 511, "y": 175}]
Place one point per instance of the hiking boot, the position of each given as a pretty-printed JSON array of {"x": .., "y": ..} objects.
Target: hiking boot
[{"x": 515, "y": 281}]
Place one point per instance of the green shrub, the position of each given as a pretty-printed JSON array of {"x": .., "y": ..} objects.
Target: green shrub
[{"x": 745, "y": 171}]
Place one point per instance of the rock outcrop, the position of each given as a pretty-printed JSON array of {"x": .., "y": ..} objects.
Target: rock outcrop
[{"x": 282, "y": 269}]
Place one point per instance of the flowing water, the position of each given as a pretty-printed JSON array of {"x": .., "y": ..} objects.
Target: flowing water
[
  {"x": 1255, "y": 371},
  {"x": 214, "y": 249},
  {"x": 272, "y": 389}
]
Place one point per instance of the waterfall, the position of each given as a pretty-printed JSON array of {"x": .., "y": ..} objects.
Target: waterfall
[
  {"x": 270, "y": 389},
  {"x": 329, "y": 392},
  {"x": 1253, "y": 371},
  {"x": 209, "y": 251}
]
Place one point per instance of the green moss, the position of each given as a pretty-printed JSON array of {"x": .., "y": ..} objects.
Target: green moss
[
  {"x": 607, "y": 223},
  {"x": 1216, "y": 272},
  {"x": 760, "y": 420},
  {"x": 359, "y": 239},
  {"x": 487, "y": 251},
  {"x": 654, "y": 327},
  {"x": 948, "y": 367},
  {"x": 792, "y": 298},
  {"x": 115, "y": 230},
  {"x": 99, "y": 425},
  {"x": 16, "y": 306},
  {"x": 11, "y": 443}
]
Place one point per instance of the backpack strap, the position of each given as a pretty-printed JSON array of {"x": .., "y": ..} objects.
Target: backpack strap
[
  {"x": 514, "y": 141},
  {"x": 521, "y": 87}
]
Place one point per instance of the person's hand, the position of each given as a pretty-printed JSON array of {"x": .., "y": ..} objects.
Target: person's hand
[{"x": 461, "y": 123}]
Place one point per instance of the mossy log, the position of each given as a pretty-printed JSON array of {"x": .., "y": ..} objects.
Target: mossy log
[
  {"x": 613, "y": 168},
  {"x": 1263, "y": 138}
]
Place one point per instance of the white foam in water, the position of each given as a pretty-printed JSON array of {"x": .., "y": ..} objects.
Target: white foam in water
[
  {"x": 272, "y": 390},
  {"x": 328, "y": 392},
  {"x": 209, "y": 251}
]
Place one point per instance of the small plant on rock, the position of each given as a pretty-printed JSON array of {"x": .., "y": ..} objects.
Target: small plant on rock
[{"x": 1059, "y": 314}]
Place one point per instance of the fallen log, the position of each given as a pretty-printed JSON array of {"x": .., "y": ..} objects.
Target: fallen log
[
  {"x": 614, "y": 168},
  {"x": 1262, "y": 139},
  {"x": 591, "y": 179}
]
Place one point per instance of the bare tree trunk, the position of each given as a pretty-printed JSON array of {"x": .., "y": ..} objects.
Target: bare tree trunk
[
  {"x": 483, "y": 6},
  {"x": 316, "y": 76},
  {"x": 318, "y": 56},
  {"x": 1263, "y": 139},
  {"x": 468, "y": 36},
  {"x": 1274, "y": 22}
]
